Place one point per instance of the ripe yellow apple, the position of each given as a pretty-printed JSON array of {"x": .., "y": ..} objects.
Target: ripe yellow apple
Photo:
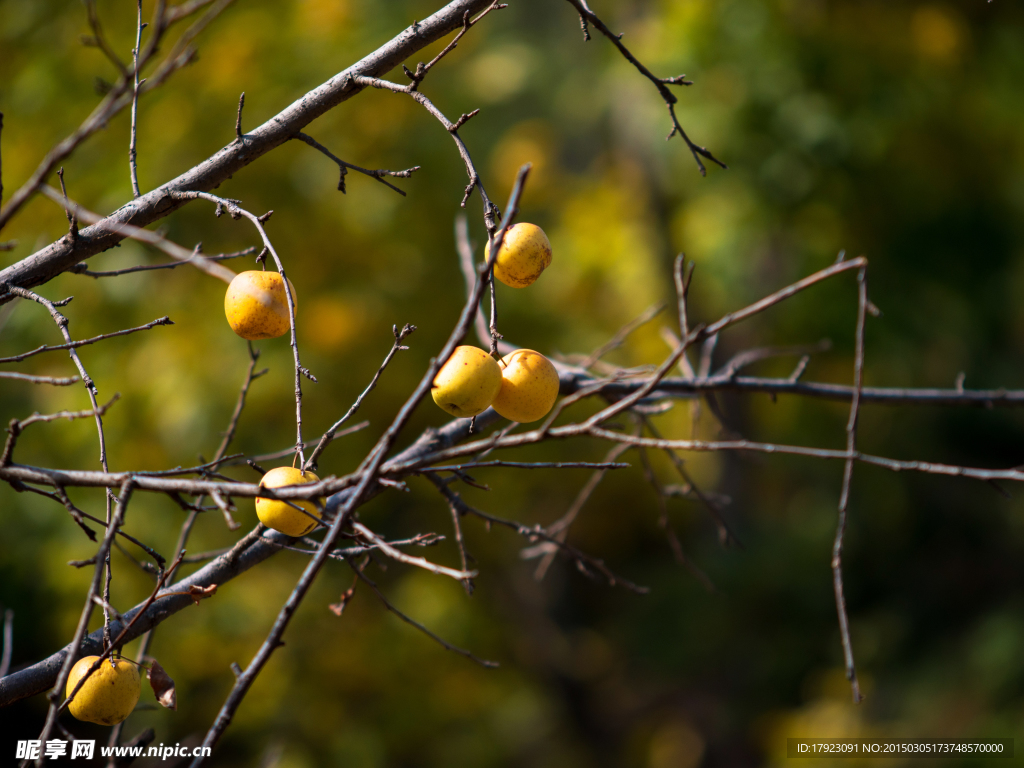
[
  {"x": 109, "y": 695},
  {"x": 529, "y": 386},
  {"x": 282, "y": 516},
  {"x": 525, "y": 253},
  {"x": 256, "y": 305},
  {"x": 467, "y": 383}
]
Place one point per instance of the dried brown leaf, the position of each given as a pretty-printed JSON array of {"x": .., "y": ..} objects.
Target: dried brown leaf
[{"x": 162, "y": 684}]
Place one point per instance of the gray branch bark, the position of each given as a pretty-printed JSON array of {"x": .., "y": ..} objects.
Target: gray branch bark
[
  {"x": 40, "y": 676},
  {"x": 209, "y": 174}
]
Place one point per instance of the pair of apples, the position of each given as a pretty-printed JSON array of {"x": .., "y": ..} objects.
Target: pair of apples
[{"x": 522, "y": 386}]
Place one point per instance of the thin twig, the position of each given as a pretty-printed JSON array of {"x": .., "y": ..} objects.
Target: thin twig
[
  {"x": 460, "y": 542},
  {"x": 173, "y": 250},
  {"x": 467, "y": 23},
  {"x": 82, "y": 269},
  {"x": 747, "y": 357},
  {"x": 491, "y": 212},
  {"x": 661, "y": 83},
  {"x": 419, "y": 562},
  {"x": 466, "y": 262},
  {"x": 73, "y": 345},
  {"x": 343, "y": 553},
  {"x": 99, "y": 39},
  {"x": 623, "y": 333},
  {"x": 531, "y": 465},
  {"x": 844, "y": 496},
  {"x": 117, "y": 98},
  {"x": 585, "y": 564},
  {"x": 238, "y": 118},
  {"x": 1, "y": 174},
  {"x": 57, "y": 381},
  {"x": 560, "y": 528},
  {"x": 328, "y": 436},
  {"x": 251, "y": 375},
  {"x": 661, "y": 494},
  {"x": 412, "y": 622},
  {"x": 236, "y": 211},
  {"x": 291, "y": 449},
  {"x": 17, "y": 426},
  {"x": 493, "y": 328},
  {"x": 725, "y": 532},
  {"x": 344, "y": 166},
  {"x": 132, "y": 145},
  {"x": 72, "y": 218}
]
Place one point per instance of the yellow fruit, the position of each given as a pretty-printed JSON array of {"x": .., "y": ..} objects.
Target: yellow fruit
[
  {"x": 109, "y": 695},
  {"x": 529, "y": 386},
  {"x": 525, "y": 253},
  {"x": 282, "y": 516},
  {"x": 256, "y": 305},
  {"x": 467, "y": 383}
]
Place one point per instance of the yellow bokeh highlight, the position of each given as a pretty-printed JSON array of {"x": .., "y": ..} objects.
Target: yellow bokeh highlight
[
  {"x": 502, "y": 72},
  {"x": 332, "y": 323},
  {"x": 233, "y": 54},
  {"x": 605, "y": 233},
  {"x": 936, "y": 34},
  {"x": 322, "y": 18},
  {"x": 676, "y": 744},
  {"x": 527, "y": 142},
  {"x": 708, "y": 225}
]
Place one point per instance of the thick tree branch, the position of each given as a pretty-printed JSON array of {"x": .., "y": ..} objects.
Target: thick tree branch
[{"x": 63, "y": 254}]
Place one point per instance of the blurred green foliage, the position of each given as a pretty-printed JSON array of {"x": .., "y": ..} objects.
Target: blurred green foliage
[{"x": 892, "y": 129}]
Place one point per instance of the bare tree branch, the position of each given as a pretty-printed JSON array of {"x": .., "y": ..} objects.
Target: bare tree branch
[
  {"x": 344, "y": 166},
  {"x": 132, "y": 145},
  {"x": 587, "y": 16},
  {"x": 73, "y": 345},
  {"x": 400, "y": 335},
  {"x": 560, "y": 528},
  {"x": 236, "y": 211},
  {"x": 115, "y": 100},
  {"x": 366, "y": 475},
  {"x": 58, "y": 381},
  {"x": 63, "y": 254},
  {"x": 175, "y": 251},
  {"x": 412, "y": 622},
  {"x": 844, "y": 496},
  {"x": 57, "y": 694}
]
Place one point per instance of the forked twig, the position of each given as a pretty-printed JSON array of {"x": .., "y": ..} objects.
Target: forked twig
[
  {"x": 560, "y": 528},
  {"x": 587, "y": 17},
  {"x": 329, "y": 435},
  {"x": 412, "y": 622},
  {"x": 345, "y": 166}
]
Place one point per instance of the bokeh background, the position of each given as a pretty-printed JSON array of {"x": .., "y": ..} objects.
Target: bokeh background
[{"x": 891, "y": 129}]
